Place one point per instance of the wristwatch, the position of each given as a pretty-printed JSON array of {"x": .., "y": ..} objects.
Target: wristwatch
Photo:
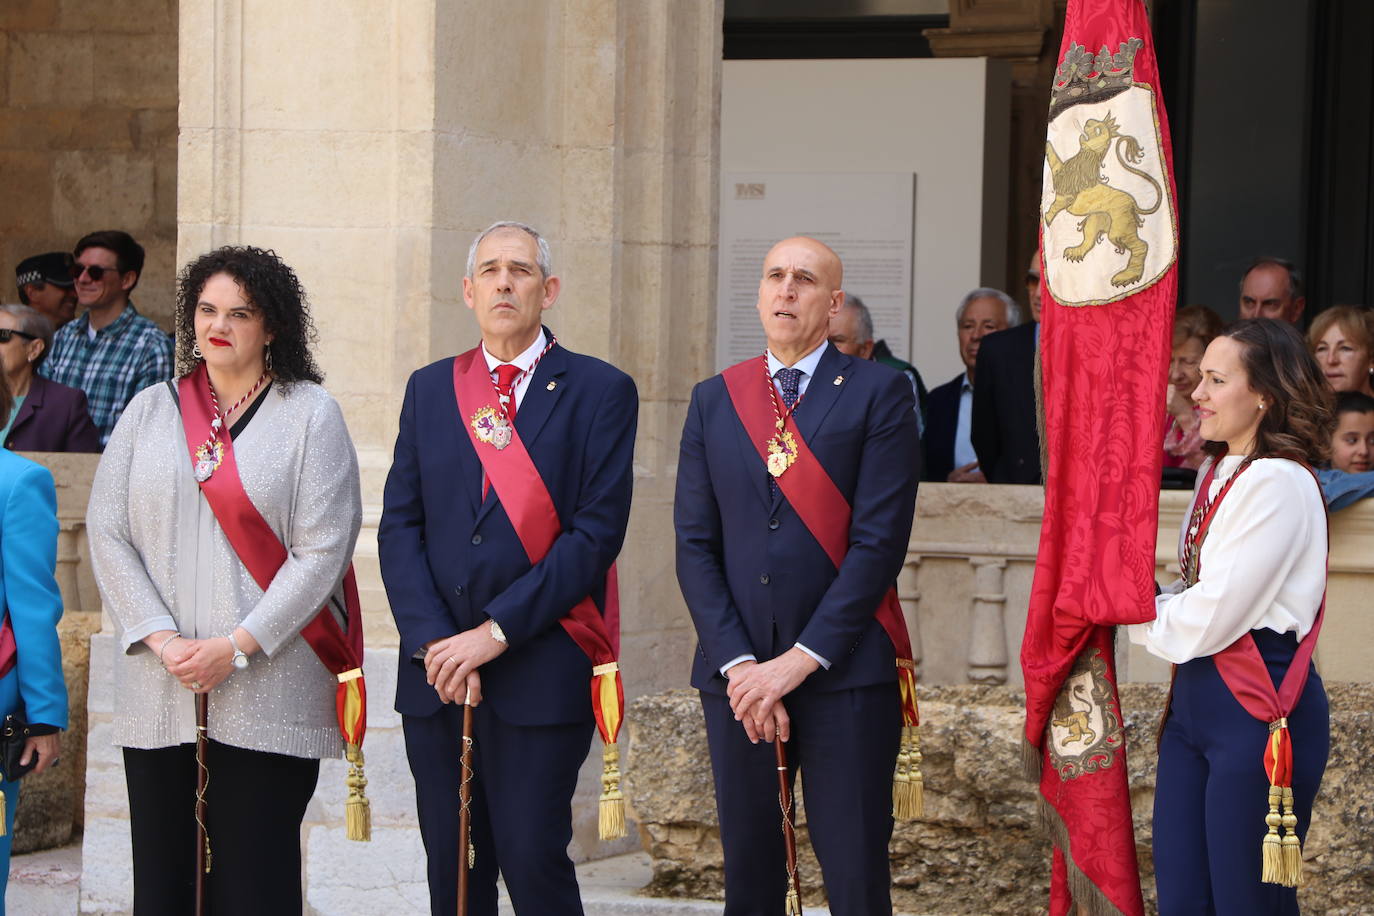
[{"x": 240, "y": 657}]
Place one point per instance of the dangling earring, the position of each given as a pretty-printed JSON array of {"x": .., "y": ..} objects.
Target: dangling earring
[
  {"x": 195, "y": 351},
  {"x": 268, "y": 351}
]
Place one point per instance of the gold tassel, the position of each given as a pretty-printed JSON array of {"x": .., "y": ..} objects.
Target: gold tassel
[
  {"x": 908, "y": 784},
  {"x": 1292, "y": 847},
  {"x": 612, "y": 819},
  {"x": 1272, "y": 871},
  {"x": 793, "y": 903},
  {"x": 357, "y": 810},
  {"x": 2, "y": 813}
]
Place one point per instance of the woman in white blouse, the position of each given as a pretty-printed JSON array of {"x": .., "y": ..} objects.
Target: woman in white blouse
[{"x": 1253, "y": 552}]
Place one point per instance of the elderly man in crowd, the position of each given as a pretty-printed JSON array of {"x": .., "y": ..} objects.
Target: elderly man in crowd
[
  {"x": 795, "y": 492},
  {"x": 45, "y": 283},
  {"x": 111, "y": 352},
  {"x": 948, "y": 444},
  {"x": 1272, "y": 288},
  {"x": 851, "y": 332}
]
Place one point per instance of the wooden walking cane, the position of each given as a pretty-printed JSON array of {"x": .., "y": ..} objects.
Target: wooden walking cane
[
  {"x": 466, "y": 852},
  {"x": 202, "y": 781},
  {"x": 789, "y": 832}
]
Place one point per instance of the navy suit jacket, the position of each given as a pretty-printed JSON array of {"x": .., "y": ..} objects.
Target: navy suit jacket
[
  {"x": 53, "y": 418},
  {"x": 1004, "y": 432},
  {"x": 942, "y": 425},
  {"x": 451, "y": 559},
  {"x": 755, "y": 579}
]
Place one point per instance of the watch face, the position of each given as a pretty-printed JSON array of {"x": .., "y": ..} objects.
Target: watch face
[{"x": 240, "y": 661}]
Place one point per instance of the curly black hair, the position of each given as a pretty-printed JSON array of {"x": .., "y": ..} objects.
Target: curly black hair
[{"x": 269, "y": 284}]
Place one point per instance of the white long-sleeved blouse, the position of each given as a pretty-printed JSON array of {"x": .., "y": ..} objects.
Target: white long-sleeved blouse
[{"x": 1263, "y": 564}]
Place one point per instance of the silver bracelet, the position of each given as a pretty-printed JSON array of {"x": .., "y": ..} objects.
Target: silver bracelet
[{"x": 163, "y": 648}]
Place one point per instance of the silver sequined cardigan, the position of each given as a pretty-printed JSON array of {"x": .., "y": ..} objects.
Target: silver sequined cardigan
[{"x": 162, "y": 562}]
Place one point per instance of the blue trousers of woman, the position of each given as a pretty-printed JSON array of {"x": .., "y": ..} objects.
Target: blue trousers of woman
[{"x": 1212, "y": 794}]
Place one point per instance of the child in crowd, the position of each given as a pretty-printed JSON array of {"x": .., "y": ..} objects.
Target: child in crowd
[{"x": 1352, "y": 452}]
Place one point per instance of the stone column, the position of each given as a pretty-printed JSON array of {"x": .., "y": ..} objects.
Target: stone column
[
  {"x": 368, "y": 144},
  {"x": 987, "y": 647}
]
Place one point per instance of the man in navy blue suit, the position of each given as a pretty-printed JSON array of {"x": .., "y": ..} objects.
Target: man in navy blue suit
[
  {"x": 791, "y": 645},
  {"x": 477, "y": 617}
]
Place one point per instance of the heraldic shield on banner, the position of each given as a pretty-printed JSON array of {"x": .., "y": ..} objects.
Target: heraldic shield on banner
[
  {"x": 1110, "y": 230},
  {"x": 1086, "y": 731}
]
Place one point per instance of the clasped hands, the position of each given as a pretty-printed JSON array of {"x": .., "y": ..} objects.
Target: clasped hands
[
  {"x": 200, "y": 665},
  {"x": 756, "y": 690},
  {"x": 451, "y": 664}
]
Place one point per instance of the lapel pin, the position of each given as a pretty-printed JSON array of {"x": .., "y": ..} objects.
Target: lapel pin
[
  {"x": 551, "y": 386},
  {"x": 839, "y": 379}
]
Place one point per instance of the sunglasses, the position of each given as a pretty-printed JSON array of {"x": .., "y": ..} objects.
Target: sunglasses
[
  {"x": 7, "y": 334},
  {"x": 95, "y": 271}
]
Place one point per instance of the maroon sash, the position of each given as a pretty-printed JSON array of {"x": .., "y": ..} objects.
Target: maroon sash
[
  {"x": 262, "y": 554},
  {"x": 529, "y": 506},
  {"x": 826, "y": 513}
]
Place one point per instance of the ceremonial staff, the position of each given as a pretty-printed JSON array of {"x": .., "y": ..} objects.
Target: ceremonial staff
[
  {"x": 466, "y": 853},
  {"x": 202, "y": 780},
  {"x": 789, "y": 832}
]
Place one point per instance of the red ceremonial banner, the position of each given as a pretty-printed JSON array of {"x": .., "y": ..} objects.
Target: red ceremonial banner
[{"x": 1109, "y": 243}]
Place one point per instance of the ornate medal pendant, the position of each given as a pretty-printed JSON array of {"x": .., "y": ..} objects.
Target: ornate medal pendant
[
  {"x": 492, "y": 428},
  {"x": 782, "y": 452},
  {"x": 209, "y": 454}
]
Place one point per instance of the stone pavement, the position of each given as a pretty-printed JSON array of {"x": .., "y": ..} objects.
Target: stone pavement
[{"x": 45, "y": 884}]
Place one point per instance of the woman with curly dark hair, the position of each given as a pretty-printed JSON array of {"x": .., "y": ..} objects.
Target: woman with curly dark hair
[
  {"x": 222, "y": 521},
  {"x": 1246, "y": 734}
]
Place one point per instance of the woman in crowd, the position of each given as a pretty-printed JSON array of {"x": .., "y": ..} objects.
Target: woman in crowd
[
  {"x": 1342, "y": 340},
  {"x": 1253, "y": 555},
  {"x": 246, "y": 431},
  {"x": 30, "y": 656},
  {"x": 1194, "y": 328},
  {"x": 47, "y": 416}
]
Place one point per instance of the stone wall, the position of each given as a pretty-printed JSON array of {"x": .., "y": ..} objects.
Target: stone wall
[
  {"x": 979, "y": 850},
  {"x": 88, "y": 127}
]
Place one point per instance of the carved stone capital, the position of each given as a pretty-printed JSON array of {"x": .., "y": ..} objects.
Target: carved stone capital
[{"x": 1024, "y": 43}]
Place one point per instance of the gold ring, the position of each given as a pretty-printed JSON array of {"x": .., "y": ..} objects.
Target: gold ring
[{"x": 196, "y": 685}]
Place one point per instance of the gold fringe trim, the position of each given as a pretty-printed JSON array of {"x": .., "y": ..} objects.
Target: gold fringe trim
[
  {"x": 1031, "y": 759},
  {"x": 2, "y": 813},
  {"x": 908, "y": 783},
  {"x": 611, "y": 823},
  {"x": 357, "y": 809},
  {"x": 1087, "y": 897}
]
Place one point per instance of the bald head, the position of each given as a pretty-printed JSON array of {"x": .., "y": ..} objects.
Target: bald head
[{"x": 798, "y": 295}]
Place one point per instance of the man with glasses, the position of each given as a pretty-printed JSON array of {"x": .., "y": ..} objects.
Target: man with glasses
[
  {"x": 45, "y": 283},
  {"x": 111, "y": 352}
]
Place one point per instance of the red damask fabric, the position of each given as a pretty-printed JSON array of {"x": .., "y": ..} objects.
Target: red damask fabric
[{"x": 1103, "y": 366}]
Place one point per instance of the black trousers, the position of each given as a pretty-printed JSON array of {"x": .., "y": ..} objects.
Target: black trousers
[{"x": 256, "y": 802}]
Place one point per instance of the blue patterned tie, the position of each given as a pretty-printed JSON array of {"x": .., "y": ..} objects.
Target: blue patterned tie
[{"x": 790, "y": 382}]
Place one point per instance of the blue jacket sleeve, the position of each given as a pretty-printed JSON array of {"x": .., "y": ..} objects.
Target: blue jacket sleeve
[
  {"x": 1342, "y": 489},
  {"x": 591, "y": 538},
  {"x": 421, "y": 614},
  {"x": 880, "y": 527},
  {"x": 29, "y": 551},
  {"x": 701, "y": 549}
]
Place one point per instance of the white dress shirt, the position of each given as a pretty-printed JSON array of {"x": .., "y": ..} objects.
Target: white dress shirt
[
  {"x": 807, "y": 364},
  {"x": 525, "y": 360},
  {"x": 963, "y": 429},
  {"x": 1263, "y": 564}
]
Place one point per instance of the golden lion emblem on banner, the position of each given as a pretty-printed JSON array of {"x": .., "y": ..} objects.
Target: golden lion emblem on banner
[
  {"x": 1085, "y": 729},
  {"x": 1080, "y": 188}
]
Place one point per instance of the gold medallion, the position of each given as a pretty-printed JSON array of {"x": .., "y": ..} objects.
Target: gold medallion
[
  {"x": 492, "y": 428},
  {"x": 782, "y": 452}
]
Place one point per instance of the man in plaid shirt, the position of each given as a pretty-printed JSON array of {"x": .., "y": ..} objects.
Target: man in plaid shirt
[{"x": 111, "y": 352}]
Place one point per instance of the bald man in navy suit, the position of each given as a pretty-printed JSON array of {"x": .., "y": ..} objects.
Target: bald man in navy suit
[{"x": 790, "y": 645}]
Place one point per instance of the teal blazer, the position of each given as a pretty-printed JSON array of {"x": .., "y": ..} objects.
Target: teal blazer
[{"x": 28, "y": 590}]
